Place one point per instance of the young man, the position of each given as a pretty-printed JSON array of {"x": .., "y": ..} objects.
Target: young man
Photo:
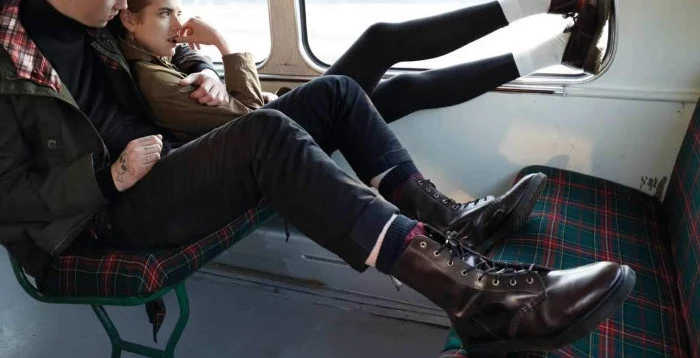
[{"x": 77, "y": 154}]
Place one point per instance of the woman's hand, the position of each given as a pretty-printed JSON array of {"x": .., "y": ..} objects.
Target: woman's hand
[
  {"x": 137, "y": 159},
  {"x": 269, "y": 97},
  {"x": 196, "y": 32}
]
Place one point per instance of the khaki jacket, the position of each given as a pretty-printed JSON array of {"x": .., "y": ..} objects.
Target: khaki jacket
[{"x": 170, "y": 103}]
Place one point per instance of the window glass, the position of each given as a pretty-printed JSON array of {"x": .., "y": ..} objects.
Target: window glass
[
  {"x": 245, "y": 23},
  {"x": 333, "y": 25}
]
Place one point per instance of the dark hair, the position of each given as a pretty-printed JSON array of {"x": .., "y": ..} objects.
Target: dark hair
[{"x": 135, "y": 7}]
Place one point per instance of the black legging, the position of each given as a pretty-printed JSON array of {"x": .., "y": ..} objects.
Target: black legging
[{"x": 383, "y": 45}]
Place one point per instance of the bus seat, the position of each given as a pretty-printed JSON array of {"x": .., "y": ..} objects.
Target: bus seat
[
  {"x": 580, "y": 219},
  {"x": 132, "y": 278}
]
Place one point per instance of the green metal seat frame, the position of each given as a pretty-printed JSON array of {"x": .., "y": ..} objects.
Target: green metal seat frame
[{"x": 97, "y": 303}]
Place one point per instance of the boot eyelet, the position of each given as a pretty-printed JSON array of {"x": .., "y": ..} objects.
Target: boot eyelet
[
  {"x": 480, "y": 280},
  {"x": 495, "y": 282},
  {"x": 530, "y": 280},
  {"x": 444, "y": 201},
  {"x": 436, "y": 253},
  {"x": 423, "y": 244},
  {"x": 428, "y": 190},
  {"x": 464, "y": 272},
  {"x": 436, "y": 195},
  {"x": 450, "y": 263},
  {"x": 513, "y": 282}
]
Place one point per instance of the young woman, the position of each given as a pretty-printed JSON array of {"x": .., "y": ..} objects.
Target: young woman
[{"x": 152, "y": 29}]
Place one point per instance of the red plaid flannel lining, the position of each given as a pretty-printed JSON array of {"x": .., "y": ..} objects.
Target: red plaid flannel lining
[{"x": 29, "y": 63}]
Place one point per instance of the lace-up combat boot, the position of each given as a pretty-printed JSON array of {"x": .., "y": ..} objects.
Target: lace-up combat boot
[
  {"x": 497, "y": 308},
  {"x": 421, "y": 200}
]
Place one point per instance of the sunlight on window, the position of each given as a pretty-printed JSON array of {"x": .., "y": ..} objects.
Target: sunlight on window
[
  {"x": 245, "y": 23},
  {"x": 333, "y": 25}
]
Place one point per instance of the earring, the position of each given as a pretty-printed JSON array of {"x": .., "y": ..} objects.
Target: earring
[{"x": 131, "y": 36}]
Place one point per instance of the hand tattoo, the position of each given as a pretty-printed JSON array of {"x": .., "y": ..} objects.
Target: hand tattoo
[{"x": 122, "y": 168}]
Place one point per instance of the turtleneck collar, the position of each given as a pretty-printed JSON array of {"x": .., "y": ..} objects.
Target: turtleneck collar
[{"x": 41, "y": 19}]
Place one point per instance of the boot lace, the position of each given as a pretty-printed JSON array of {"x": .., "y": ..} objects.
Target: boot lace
[
  {"x": 458, "y": 251},
  {"x": 430, "y": 188}
]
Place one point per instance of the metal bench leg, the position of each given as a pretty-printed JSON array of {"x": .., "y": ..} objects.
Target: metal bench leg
[
  {"x": 119, "y": 345},
  {"x": 184, "y": 303},
  {"x": 111, "y": 330}
]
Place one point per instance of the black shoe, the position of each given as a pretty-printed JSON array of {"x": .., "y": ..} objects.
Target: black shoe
[
  {"x": 514, "y": 208},
  {"x": 497, "y": 308},
  {"x": 582, "y": 51},
  {"x": 422, "y": 201},
  {"x": 568, "y": 7}
]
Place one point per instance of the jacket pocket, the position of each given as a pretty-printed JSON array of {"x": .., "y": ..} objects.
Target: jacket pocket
[{"x": 48, "y": 134}]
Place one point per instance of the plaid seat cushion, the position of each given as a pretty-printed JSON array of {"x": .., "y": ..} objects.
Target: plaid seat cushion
[
  {"x": 682, "y": 206},
  {"x": 580, "y": 219},
  {"x": 134, "y": 273}
]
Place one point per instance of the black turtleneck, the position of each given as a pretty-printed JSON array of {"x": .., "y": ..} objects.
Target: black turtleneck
[{"x": 67, "y": 45}]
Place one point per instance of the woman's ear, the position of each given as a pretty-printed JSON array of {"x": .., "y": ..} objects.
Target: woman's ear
[{"x": 128, "y": 20}]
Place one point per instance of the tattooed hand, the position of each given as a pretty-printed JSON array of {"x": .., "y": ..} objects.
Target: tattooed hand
[{"x": 137, "y": 159}]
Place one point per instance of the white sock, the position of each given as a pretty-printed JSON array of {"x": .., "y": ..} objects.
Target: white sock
[
  {"x": 518, "y": 9},
  {"x": 372, "y": 259},
  {"x": 374, "y": 182},
  {"x": 548, "y": 53}
]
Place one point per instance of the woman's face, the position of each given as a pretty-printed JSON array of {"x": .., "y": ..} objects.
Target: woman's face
[{"x": 156, "y": 26}]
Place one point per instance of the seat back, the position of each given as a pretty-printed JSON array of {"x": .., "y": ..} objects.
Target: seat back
[{"x": 682, "y": 207}]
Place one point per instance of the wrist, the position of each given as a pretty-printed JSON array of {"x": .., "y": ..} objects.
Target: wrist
[
  {"x": 117, "y": 178},
  {"x": 223, "y": 47},
  {"x": 106, "y": 183}
]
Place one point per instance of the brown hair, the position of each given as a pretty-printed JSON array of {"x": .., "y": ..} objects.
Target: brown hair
[{"x": 135, "y": 7}]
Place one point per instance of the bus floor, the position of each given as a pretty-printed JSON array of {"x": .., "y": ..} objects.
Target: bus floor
[{"x": 226, "y": 320}]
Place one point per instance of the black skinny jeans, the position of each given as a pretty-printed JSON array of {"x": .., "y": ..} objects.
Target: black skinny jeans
[{"x": 200, "y": 187}]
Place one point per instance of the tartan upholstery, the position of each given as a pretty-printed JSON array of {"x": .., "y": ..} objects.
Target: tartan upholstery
[
  {"x": 581, "y": 219},
  {"x": 682, "y": 206},
  {"x": 135, "y": 273}
]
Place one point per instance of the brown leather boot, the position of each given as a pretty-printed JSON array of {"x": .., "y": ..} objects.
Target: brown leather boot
[
  {"x": 421, "y": 200},
  {"x": 497, "y": 308},
  {"x": 582, "y": 51}
]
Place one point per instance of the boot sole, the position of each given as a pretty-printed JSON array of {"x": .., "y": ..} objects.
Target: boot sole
[
  {"x": 606, "y": 308},
  {"x": 593, "y": 61},
  {"x": 519, "y": 215}
]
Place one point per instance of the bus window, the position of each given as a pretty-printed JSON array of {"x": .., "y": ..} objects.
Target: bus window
[
  {"x": 331, "y": 26},
  {"x": 245, "y": 23}
]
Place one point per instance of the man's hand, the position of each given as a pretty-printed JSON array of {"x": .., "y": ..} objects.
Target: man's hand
[
  {"x": 210, "y": 91},
  {"x": 137, "y": 159}
]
